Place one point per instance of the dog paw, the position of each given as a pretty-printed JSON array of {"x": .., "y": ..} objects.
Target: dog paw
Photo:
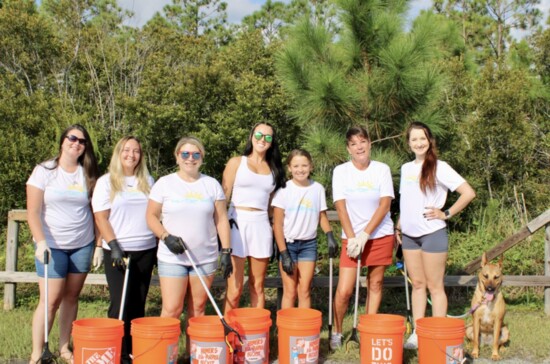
[
  {"x": 495, "y": 356},
  {"x": 475, "y": 354}
]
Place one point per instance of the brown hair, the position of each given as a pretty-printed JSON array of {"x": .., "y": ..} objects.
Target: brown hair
[
  {"x": 429, "y": 167},
  {"x": 357, "y": 130},
  {"x": 298, "y": 153}
]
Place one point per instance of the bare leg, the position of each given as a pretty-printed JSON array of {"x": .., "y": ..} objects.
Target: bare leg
[
  {"x": 375, "y": 281},
  {"x": 56, "y": 287},
  {"x": 344, "y": 290},
  {"x": 234, "y": 284},
  {"x": 434, "y": 263},
  {"x": 305, "y": 276},
  {"x": 290, "y": 283},
  {"x": 68, "y": 311},
  {"x": 173, "y": 291},
  {"x": 258, "y": 268},
  {"x": 415, "y": 270}
]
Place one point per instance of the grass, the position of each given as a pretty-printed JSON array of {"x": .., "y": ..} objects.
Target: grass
[{"x": 530, "y": 332}]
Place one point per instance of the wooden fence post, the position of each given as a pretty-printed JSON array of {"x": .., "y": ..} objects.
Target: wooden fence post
[
  {"x": 11, "y": 262},
  {"x": 547, "y": 268}
]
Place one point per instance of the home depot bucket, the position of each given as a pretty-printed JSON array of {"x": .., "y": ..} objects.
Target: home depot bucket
[
  {"x": 381, "y": 338},
  {"x": 207, "y": 341},
  {"x": 253, "y": 325},
  {"x": 299, "y": 331},
  {"x": 155, "y": 340},
  {"x": 440, "y": 340},
  {"x": 97, "y": 340}
]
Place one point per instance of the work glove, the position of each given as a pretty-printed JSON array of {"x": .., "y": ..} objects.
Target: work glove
[
  {"x": 117, "y": 255},
  {"x": 41, "y": 247},
  {"x": 225, "y": 262},
  {"x": 174, "y": 244},
  {"x": 332, "y": 245},
  {"x": 97, "y": 261},
  {"x": 357, "y": 244},
  {"x": 286, "y": 262}
]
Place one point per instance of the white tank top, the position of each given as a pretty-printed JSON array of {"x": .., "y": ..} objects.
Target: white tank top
[{"x": 251, "y": 189}]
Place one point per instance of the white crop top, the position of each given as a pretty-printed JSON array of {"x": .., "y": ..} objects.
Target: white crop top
[{"x": 251, "y": 189}]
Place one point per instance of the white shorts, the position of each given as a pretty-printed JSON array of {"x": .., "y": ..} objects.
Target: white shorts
[{"x": 254, "y": 236}]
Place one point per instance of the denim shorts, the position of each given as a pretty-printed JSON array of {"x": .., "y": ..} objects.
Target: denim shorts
[
  {"x": 182, "y": 271},
  {"x": 303, "y": 250},
  {"x": 65, "y": 261},
  {"x": 436, "y": 242}
]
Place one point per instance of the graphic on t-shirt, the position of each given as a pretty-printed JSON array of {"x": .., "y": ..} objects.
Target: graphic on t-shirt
[
  {"x": 363, "y": 186},
  {"x": 411, "y": 179},
  {"x": 192, "y": 197}
]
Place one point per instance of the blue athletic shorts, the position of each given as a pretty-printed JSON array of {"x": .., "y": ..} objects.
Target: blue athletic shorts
[{"x": 65, "y": 261}]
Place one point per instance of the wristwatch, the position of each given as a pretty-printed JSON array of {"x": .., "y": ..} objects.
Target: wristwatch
[
  {"x": 447, "y": 214},
  {"x": 227, "y": 250}
]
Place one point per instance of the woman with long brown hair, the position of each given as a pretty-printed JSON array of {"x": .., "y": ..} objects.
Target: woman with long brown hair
[{"x": 422, "y": 230}]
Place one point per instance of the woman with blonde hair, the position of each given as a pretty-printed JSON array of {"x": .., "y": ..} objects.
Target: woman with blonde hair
[
  {"x": 119, "y": 204},
  {"x": 194, "y": 213}
]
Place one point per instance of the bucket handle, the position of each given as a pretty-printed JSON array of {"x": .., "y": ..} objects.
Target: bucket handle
[{"x": 134, "y": 357}]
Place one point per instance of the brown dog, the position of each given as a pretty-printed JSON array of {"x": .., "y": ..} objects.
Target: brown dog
[{"x": 489, "y": 309}]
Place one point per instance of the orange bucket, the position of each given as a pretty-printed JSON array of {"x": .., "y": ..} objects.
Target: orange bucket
[
  {"x": 97, "y": 340},
  {"x": 155, "y": 340},
  {"x": 299, "y": 331},
  {"x": 440, "y": 340},
  {"x": 381, "y": 338},
  {"x": 207, "y": 341},
  {"x": 253, "y": 325}
]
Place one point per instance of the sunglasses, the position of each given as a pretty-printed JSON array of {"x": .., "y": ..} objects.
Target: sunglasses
[
  {"x": 195, "y": 155},
  {"x": 74, "y": 139},
  {"x": 259, "y": 135}
]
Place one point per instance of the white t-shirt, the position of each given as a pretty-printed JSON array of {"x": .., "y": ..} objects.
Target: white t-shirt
[
  {"x": 413, "y": 202},
  {"x": 127, "y": 215},
  {"x": 67, "y": 220},
  {"x": 362, "y": 191},
  {"x": 188, "y": 212},
  {"x": 302, "y": 207}
]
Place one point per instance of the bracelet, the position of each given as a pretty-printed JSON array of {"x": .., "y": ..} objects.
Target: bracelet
[{"x": 397, "y": 229}]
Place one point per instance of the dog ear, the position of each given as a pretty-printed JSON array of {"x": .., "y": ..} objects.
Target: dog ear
[
  {"x": 484, "y": 259},
  {"x": 500, "y": 261}
]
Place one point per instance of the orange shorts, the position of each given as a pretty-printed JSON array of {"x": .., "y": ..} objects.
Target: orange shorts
[{"x": 377, "y": 252}]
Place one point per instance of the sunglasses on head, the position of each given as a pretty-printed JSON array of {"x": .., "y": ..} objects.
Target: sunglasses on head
[
  {"x": 259, "y": 135},
  {"x": 195, "y": 155},
  {"x": 73, "y": 139}
]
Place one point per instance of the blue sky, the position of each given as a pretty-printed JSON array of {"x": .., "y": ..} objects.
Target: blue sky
[{"x": 236, "y": 9}]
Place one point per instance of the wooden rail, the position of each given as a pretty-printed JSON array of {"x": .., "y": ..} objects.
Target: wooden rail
[{"x": 10, "y": 277}]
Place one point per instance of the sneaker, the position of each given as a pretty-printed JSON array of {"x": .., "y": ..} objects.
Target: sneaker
[
  {"x": 412, "y": 342},
  {"x": 336, "y": 341}
]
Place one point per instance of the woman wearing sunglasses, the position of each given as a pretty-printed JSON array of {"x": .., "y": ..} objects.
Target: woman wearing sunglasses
[
  {"x": 250, "y": 180},
  {"x": 193, "y": 210},
  {"x": 61, "y": 223},
  {"x": 119, "y": 203}
]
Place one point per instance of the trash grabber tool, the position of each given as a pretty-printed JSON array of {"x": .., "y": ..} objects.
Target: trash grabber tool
[
  {"x": 353, "y": 337},
  {"x": 124, "y": 288},
  {"x": 226, "y": 328},
  {"x": 47, "y": 356},
  {"x": 330, "y": 299}
]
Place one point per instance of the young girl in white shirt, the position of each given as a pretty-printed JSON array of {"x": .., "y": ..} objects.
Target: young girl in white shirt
[{"x": 298, "y": 210}]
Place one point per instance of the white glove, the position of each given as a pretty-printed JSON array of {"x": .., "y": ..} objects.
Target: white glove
[
  {"x": 97, "y": 261},
  {"x": 357, "y": 244},
  {"x": 362, "y": 238},
  {"x": 41, "y": 247}
]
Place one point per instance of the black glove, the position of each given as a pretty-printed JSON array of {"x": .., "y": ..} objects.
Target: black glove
[
  {"x": 225, "y": 262},
  {"x": 332, "y": 245},
  {"x": 286, "y": 262},
  {"x": 117, "y": 254},
  {"x": 174, "y": 244}
]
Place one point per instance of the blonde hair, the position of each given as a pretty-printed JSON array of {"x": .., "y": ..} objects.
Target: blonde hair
[
  {"x": 189, "y": 140},
  {"x": 117, "y": 174}
]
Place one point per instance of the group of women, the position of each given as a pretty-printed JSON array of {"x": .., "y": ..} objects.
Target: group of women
[{"x": 186, "y": 217}]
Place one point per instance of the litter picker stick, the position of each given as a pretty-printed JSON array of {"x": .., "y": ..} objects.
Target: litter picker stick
[{"x": 124, "y": 289}]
